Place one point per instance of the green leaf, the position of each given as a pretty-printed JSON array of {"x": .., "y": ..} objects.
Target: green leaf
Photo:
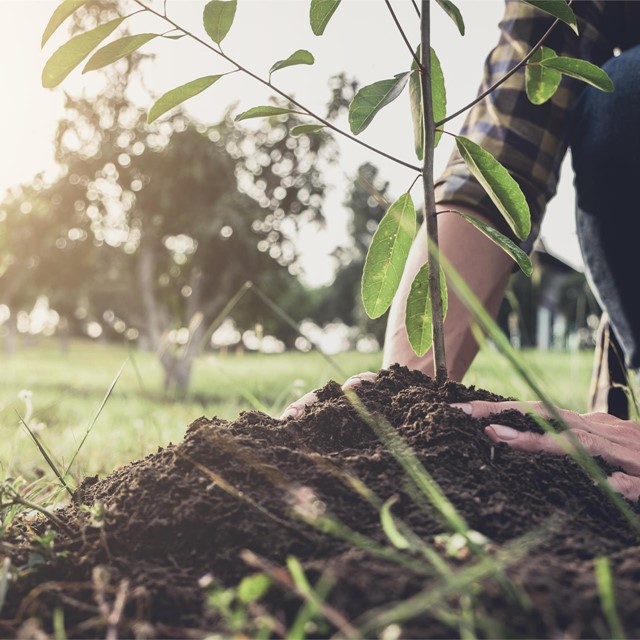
[
  {"x": 65, "y": 59},
  {"x": 582, "y": 70},
  {"x": 218, "y": 17},
  {"x": 370, "y": 99},
  {"x": 60, "y": 14},
  {"x": 541, "y": 83},
  {"x": 438, "y": 99},
  {"x": 503, "y": 190},
  {"x": 120, "y": 48},
  {"x": 298, "y": 575},
  {"x": 320, "y": 13},
  {"x": 301, "y": 56},
  {"x": 438, "y": 94},
  {"x": 252, "y": 588},
  {"x": 178, "y": 95},
  {"x": 417, "y": 112},
  {"x": 264, "y": 111},
  {"x": 418, "y": 315},
  {"x": 503, "y": 242},
  {"x": 454, "y": 13},
  {"x": 387, "y": 256},
  {"x": 558, "y": 9},
  {"x": 303, "y": 129},
  {"x": 389, "y": 525}
]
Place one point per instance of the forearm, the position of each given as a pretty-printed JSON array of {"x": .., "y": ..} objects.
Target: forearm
[{"x": 485, "y": 268}]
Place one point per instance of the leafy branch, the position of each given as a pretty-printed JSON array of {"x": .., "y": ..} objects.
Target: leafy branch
[{"x": 275, "y": 89}]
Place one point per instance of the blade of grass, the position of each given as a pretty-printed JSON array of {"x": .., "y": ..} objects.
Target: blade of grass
[
  {"x": 604, "y": 582},
  {"x": 45, "y": 455},
  {"x": 281, "y": 313},
  {"x": 459, "y": 583},
  {"x": 314, "y": 598},
  {"x": 283, "y": 577},
  {"x": 95, "y": 417}
]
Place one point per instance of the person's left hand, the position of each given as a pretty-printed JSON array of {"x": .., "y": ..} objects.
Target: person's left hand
[
  {"x": 296, "y": 408},
  {"x": 601, "y": 434}
]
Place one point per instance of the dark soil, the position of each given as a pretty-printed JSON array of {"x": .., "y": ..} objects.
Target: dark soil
[{"x": 190, "y": 510}]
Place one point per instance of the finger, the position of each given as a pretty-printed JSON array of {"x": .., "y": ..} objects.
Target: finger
[
  {"x": 295, "y": 409},
  {"x": 359, "y": 378},
  {"x": 625, "y": 455},
  {"x": 482, "y": 409},
  {"x": 524, "y": 440},
  {"x": 628, "y": 486}
]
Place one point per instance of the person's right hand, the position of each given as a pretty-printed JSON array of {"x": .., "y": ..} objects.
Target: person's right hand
[{"x": 296, "y": 408}]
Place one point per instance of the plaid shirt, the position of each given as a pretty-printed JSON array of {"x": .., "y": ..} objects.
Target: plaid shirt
[{"x": 531, "y": 140}]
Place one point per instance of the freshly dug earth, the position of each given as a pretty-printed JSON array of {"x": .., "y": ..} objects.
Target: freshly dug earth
[{"x": 136, "y": 545}]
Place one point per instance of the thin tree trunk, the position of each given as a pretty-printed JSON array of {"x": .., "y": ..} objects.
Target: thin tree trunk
[
  {"x": 440, "y": 364},
  {"x": 146, "y": 274}
]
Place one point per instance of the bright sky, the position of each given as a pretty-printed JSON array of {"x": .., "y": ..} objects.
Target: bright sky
[{"x": 360, "y": 39}]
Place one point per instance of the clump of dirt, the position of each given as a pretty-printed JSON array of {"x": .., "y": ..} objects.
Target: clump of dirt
[{"x": 139, "y": 547}]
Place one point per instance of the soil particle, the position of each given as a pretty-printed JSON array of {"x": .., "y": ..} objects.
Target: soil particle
[{"x": 188, "y": 512}]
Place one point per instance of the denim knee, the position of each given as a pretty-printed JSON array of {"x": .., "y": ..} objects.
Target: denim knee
[{"x": 605, "y": 139}]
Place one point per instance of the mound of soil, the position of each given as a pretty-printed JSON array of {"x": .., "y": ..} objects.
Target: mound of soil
[{"x": 140, "y": 552}]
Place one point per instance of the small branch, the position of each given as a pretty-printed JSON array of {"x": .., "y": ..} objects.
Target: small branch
[
  {"x": 281, "y": 93},
  {"x": 403, "y": 34},
  {"x": 415, "y": 6},
  {"x": 507, "y": 75},
  {"x": 413, "y": 184}
]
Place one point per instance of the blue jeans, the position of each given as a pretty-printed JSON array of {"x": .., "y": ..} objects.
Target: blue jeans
[{"x": 605, "y": 145}]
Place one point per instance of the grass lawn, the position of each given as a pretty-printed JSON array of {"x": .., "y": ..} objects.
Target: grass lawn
[{"x": 66, "y": 390}]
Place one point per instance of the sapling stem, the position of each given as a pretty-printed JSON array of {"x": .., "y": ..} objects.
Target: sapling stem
[{"x": 431, "y": 224}]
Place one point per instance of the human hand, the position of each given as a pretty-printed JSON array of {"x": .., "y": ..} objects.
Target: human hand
[
  {"x": 296, "y": 408},
  {"x": 616, "y": 441}
]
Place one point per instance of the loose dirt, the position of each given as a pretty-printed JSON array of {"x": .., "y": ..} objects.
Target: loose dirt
[{"x": 145, "y": 547}]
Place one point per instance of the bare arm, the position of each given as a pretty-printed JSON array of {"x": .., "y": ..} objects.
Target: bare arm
[{"x": 485, "y": 268}]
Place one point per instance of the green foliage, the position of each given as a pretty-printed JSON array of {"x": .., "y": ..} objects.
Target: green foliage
[
  {"x": 60, "y": 14},
  {"x": 218, "y": 17},
  {"x": 120, "y": 48},
  {"x": 438, "y": 94},
  {"x": 541, "y": 82},
  {"x": 417, "y": 112},
  {"x": 503, "y": 242},
  {"x": 301, "y": 56},
  {"x": 387, "y": 256},
  {"x": 503, "y": 190},
  {"x": 177, "y": 96},
  {"x": 580, "y": 69},
  {"x": 303, "y": 129},
  {"x": 73, "y": 52},
  {"x": 558, "y": 9},
  {"x": 370, "y": 99},
  {"x": 264, "y": 111},
  {"x": 389, "y": 526},
  {"x": 253, "y": 587},
  {"x": 454, "y": 13},
  {"x": 438, "y": 99},
  {"x": 418, "y": 317},
  {"x": 320, "y": 13},
  {"x": 604, "y": 582}
]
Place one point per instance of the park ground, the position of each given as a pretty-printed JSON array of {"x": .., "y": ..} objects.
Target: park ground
[{"x": 60, "y": 394}]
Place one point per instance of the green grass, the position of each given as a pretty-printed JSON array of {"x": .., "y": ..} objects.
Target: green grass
[{"x": 67, "y": 389}]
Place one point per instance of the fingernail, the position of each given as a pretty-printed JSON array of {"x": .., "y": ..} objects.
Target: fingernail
[
  {"x": 292, "y": 412},
  {"x": 463, "y": 406},
  {"x": 504, "y": 433}
]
